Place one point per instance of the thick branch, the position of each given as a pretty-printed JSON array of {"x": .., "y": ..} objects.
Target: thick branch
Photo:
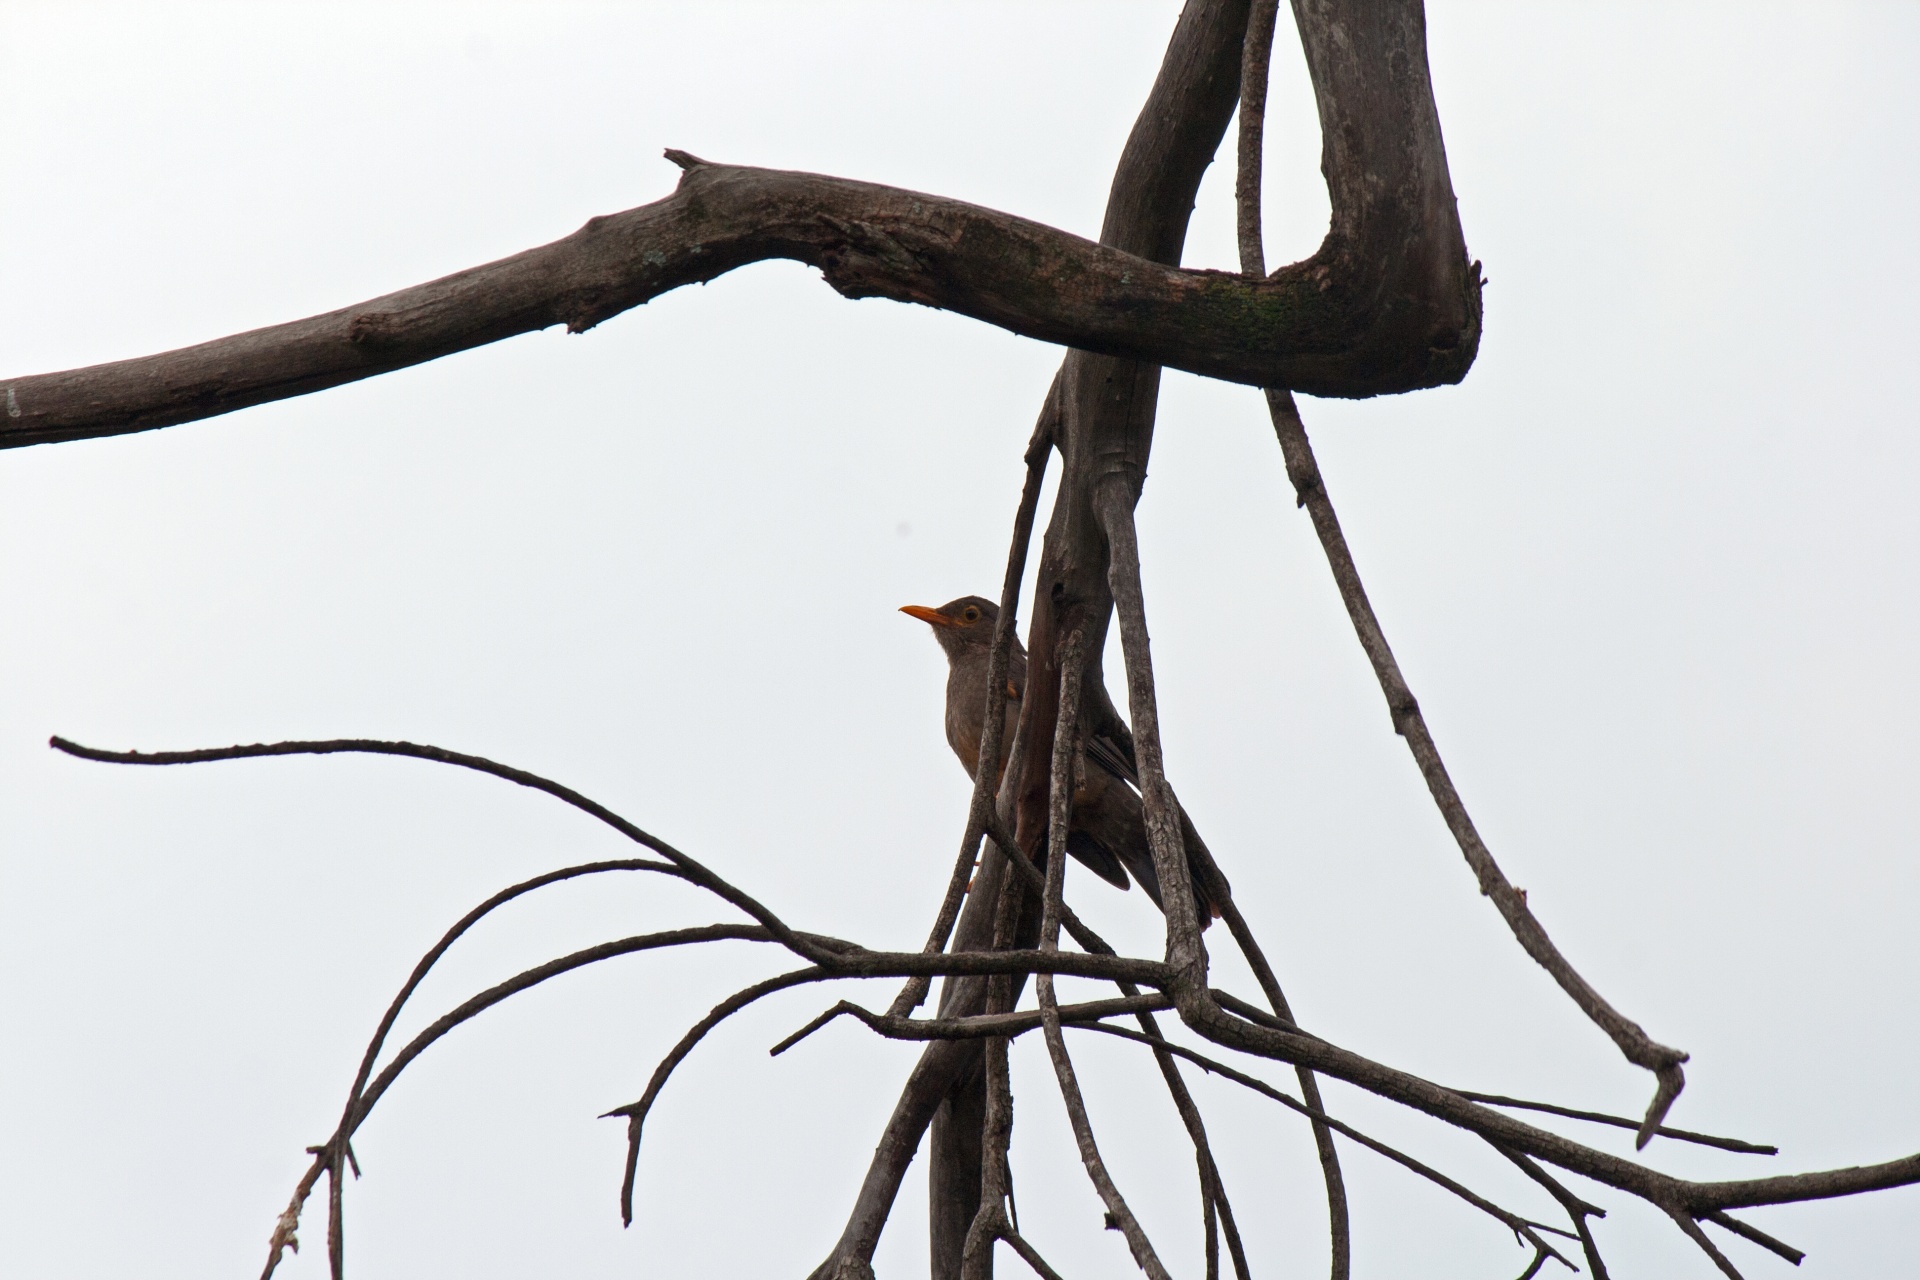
[
  {"x": 1389, "y": 302},
  {"x": 1285, "y": 1045}
]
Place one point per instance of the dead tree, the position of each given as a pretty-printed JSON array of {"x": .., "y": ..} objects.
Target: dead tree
[{"x": 1389, "y": 303}]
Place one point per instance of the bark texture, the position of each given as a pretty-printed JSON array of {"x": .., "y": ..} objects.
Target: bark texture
[{"x": 1389, "y": 303}]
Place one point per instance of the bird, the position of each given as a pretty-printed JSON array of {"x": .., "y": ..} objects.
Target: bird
[{"x": 1108, "y": 830}]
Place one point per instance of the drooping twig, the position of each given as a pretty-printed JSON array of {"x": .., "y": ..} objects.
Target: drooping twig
[
  {"x": 1304, "y": 472},
  {"x": 691, "y": 869},
  {"x": 284, "y": 1236},
  {"x": 636, "y": 1112},
  {"x": 1209, "y": 1019},
  {"x": 452, "y": 935},
  {"x": 364, "y": 1100}
]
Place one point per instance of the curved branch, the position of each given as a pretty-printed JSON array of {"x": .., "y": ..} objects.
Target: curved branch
[
  {"x": 360, "y": 1104},
  {"x": 636, "y": 1112},
  {"x": 533, "y": 977},
  {"x": 689, "y": 868},
  {"x": 1627, "y": 1035},
  {"x": 453, "y": 935}
]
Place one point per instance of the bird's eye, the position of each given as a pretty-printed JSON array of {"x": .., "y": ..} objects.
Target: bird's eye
[{"x": 972, "y": 614}]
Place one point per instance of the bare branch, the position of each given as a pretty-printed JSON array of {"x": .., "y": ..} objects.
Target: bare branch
[
  {"x": 1288, "y": 1045},
  {"x": 1577, "y": 1210},
  {"x": 1524, "y": 1227},
  {"x": 337, "y": 1150},
  {"x": 1632, "y": 1041},
  {"x": 867, "y": 240},
  {"x": 1389, "y": 302},
  {"x": 1256, "y": 61}
]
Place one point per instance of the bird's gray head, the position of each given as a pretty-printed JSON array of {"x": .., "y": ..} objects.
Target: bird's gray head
[{"x": 959, "y": 625}]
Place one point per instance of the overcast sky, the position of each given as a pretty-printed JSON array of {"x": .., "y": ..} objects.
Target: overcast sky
[{"x": 1649, "y": 569}]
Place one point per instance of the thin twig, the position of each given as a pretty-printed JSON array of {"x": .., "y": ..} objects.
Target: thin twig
[
  {"x": 990, "y": 1221},
  {"x": 1113, "y": 504},
  {"x": 1633, "y": 1042},
  {"x": 1685, "y": 1222},
  {"x": 1256, "y": 59},
  {"x": 466, "y": 922},
  {"x": 1621, "y": 1122},
  {"x": 636, "y": 1112},
  {"x": 1030, "y": 1255},
  {"x": 1182, "y": 1099},
  {"x": 986, "y": 780},
  {"x": 1576, "y": 1209},
  {"x": 1755, "y": 1234},
  {"x": 361, "y": 1105},
  {"x": 1176, "y": 1087},
  {"x": 1059, "y": 812}
]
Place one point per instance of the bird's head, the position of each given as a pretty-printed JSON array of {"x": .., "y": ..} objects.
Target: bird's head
[{"x": 959, "y": 625}]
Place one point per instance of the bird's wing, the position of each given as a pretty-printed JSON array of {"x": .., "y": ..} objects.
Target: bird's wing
[
  {"x": 1109, "y": 742},
  {"x": 1108, "y": 754},
  {"x": 1097, "y": 858}
]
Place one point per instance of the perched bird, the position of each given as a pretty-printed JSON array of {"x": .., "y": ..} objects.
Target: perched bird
[{"x": 1108, "y": 830}]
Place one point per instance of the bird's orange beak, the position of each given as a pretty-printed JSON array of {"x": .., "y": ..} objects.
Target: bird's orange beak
[{"x": 933, "y": 616}]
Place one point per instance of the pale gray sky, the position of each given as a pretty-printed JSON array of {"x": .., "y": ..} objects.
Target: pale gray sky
[{"x": 1649, "y": 570}]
